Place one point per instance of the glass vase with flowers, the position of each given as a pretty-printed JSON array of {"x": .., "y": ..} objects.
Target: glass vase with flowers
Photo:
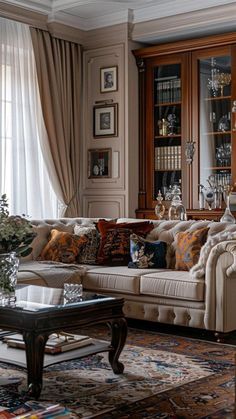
[{"x": 16, "y": 235}]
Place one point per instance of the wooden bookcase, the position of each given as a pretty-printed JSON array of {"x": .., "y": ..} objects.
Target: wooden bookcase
[{"x": 186, "y": 94}]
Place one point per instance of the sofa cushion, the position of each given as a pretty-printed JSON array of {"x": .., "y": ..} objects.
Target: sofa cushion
[
  {"x": 172, "y": 284},
  {"x": 115, "y": 279},
  {"x": 88, "y": 252},
  {"x": 62, "y": 247},
  {"x": 188, "y": 248},
  {"x": 115, "y": 240},
  {"x": 147, "y": 254}
]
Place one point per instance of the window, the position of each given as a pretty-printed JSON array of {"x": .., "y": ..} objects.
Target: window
[{"x": 24, "y": 177}]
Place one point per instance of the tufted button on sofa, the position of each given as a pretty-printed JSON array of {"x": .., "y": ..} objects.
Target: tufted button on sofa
[{"x": 203, "y": 298}]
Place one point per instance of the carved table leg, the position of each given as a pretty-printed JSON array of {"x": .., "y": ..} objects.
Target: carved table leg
[
  {"x": 34, "y": 345},
  {"x": 118, "y": 338}
]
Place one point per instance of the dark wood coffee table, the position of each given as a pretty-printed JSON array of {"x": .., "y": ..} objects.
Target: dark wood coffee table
[{"x": 40, "y": 311}]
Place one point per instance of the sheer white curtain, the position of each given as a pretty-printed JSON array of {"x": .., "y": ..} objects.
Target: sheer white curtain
[{"x": 23, "y": 175}]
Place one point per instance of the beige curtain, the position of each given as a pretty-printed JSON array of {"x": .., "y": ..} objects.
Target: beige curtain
[{"x": 58, "y": 65}]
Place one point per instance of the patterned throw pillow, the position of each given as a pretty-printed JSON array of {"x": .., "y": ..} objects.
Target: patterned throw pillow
[
  {"x": 115, "y": 240},
  {"x": 188, "y": 248},
  {"x": 88, "y": 253},
  {"x": 147, "y": 254},
  {"x": 62, "y": 247}
]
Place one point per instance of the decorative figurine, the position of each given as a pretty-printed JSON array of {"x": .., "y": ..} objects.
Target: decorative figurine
[
  {"x": 163, "y": 125},
  {"x": 160, "y": 207}
]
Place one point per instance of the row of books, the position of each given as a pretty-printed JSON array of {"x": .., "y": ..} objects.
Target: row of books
[
  {"x": 169, "y": 91},
  {"x": 168, "y": 158},
  {"x": 56, "y": 343}
]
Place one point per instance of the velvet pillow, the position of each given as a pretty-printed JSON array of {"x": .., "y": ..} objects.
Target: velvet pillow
[
  {"x": 88, "y": 253},
  {"x": 188, "y": 248},
  {"x": 62, "y": 247},
  {"x": 115, "y": 240},
  {"x": 147, "y": 254}
]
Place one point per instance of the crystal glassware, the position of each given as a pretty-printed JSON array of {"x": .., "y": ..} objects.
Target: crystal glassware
[
  {"x": 227, "y": 217},
  {"x": 209, "y": 197}
]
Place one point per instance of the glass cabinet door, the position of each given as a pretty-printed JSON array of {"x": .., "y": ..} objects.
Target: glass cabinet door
[
  {"x": 166, "y": 109},
  {"x": 214, "y": 122},
  {"x": 167, "y": 127}
]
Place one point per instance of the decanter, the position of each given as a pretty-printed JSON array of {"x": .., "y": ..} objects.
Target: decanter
[
  {"x": 160, "y": 207},
  {"x": 177, "y": 210},
  {"x": 227, "y": 217}
]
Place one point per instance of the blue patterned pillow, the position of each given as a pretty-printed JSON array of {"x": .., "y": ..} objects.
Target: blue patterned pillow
[{"x": 147, "y": 254}]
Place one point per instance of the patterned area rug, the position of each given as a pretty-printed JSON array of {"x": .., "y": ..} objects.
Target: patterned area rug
[{"x": 165, "y": 377}]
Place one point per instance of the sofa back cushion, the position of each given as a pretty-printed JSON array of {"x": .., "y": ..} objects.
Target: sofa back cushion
[{"x": 188, "y": 248}]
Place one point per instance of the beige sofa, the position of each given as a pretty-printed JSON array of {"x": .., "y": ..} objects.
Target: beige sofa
[{"x": 206, "y": 301}]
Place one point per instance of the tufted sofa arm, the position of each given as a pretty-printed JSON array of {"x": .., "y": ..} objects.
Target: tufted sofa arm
[{"x": 220, "y": 280}]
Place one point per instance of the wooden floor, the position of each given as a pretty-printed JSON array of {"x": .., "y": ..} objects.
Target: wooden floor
[{"x": 229, "y": 339}]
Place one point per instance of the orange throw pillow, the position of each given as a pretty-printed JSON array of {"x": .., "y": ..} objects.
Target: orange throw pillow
[
  {"x": 115, "y": 240},
  {"x": 62, "y": 247},
  {"x": 188, "y": 248}
]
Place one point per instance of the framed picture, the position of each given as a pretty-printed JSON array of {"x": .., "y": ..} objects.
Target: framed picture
[
  {"x": 105, "y": 120},
  {"x": 99, "y": 163},
  {"x": 109, "y": 79}
]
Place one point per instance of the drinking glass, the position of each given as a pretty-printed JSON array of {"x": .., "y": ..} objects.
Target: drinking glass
[{"x": 72, "y": 292}]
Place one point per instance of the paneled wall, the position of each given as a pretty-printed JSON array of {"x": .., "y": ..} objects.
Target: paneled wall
[{"x": 116, "y": 195}]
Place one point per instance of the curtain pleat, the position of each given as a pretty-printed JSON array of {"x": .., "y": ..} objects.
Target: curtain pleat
[{"x": 58, "y": 65}]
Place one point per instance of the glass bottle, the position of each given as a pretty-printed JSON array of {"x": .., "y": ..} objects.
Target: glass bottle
[
  {"x": 177, "y": 210},
  {"x": 160, "y": 207}
]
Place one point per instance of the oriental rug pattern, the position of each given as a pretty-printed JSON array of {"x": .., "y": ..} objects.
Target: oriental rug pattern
[{"x": 165, "y": 377}]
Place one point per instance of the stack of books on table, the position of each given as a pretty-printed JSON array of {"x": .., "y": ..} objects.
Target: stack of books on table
[{"x": 56, "y": 343}]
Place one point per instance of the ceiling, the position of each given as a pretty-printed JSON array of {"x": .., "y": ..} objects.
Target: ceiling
[{"x": 91, "y": 14}]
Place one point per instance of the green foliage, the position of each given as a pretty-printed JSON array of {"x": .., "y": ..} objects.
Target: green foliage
[{"x": 16, "y": 232}]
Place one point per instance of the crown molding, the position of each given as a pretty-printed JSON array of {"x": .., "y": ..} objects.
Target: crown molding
[
  {"x": 201, "y": 22},
  {"x": 169, "y": 8},
  {"x": 92, "y": 23},
  {"x": 42, "y": 6},
  {"x": 23, "y": 15}
]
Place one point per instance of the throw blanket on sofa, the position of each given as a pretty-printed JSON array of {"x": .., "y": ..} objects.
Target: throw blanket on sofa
[
  {"x": 198, "y": 270},
  {"x": 55, "y": 274}
]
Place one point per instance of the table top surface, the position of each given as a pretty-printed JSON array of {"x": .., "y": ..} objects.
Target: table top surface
[{"x": 33, "y": 298}]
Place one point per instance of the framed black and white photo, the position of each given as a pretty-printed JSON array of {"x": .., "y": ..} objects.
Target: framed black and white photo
[
  {"x": 109, "y": 79},
  {"x": 99, "y": 163},
  {"x": 105, "y": 120}
]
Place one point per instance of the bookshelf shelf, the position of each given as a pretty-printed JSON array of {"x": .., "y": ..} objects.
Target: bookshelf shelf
[
  {"x": 219, "y": 168},
  {"x": 218, "y": 133},
  {"x": 167, "y": 104},
  {"x": 212, "y": 99},
  {"x": 167, "y": 136},
  {"x": 168, "y": 170}
]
